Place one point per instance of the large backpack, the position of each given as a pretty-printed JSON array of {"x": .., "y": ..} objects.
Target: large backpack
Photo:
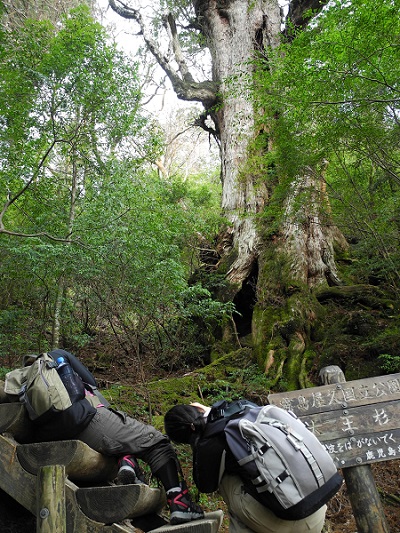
[
  {"x": 39, "y": 387},
  {"x": 282, "y": 462}
]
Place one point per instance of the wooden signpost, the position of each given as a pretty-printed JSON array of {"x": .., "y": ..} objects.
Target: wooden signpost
[{"x": 359, "y": 423}]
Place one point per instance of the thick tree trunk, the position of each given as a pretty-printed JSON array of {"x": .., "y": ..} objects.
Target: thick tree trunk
[
  {"x": 308, "y": 235},
  {"x": 233, "y": 31},
  {"x": 302, "y": 254},
  {"x": 300, "y": 259}
]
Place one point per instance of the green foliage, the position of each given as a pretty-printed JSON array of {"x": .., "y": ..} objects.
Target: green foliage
[
  {"x": 101, "y": 239},
  {"x": 331, "y": 95},
  {"x": 390, "y": 364},
  {"x": 190, "y": 329},
  {"x": 239, "y": 384},
  {"x": 3, "y": 371}
]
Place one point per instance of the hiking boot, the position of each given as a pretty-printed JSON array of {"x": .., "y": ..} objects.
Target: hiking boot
[
  {"x": 182, "y": 509},
  {"x": 129, "y": 472}
]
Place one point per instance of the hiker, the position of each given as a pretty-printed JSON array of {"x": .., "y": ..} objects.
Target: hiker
[
  {"x": 192, "y": 424},
  {"x": 114, "y": 433}
]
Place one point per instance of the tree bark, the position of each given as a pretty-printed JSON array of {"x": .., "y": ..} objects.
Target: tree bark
[
  {"x": 233, "y": 31},
  {"x": 308, "y": 235}
]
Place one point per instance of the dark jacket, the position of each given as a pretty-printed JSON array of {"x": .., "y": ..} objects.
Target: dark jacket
[
  {"x": 69, "y": 423},
  {"x": 211, "y": 446}
]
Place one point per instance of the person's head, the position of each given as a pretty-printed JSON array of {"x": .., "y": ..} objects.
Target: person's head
[{"x": 183, "y": 423}]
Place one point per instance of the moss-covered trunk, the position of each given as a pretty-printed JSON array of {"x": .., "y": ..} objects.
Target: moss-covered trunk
[{"x": 293, "y": 263}]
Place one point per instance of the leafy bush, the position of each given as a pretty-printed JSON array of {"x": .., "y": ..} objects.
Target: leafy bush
[{"x": 389, "y": 363}]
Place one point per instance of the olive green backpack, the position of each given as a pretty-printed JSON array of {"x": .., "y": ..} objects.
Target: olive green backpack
[{"x": 39, "y": 387}]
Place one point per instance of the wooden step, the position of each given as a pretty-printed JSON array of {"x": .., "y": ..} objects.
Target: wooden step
[
  {"x": 81, "y": 462},
  {"x": 117, "y": 502},
  {"x": 209, "y": 524},
  {"x": 157, "y": 524},
  {"x": 22, "y": 486}
]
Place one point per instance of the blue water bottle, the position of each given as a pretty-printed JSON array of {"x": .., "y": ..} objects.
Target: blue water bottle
[{"x": 71, "y": 380}]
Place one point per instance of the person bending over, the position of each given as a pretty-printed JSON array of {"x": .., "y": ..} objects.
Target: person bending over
[{"x": 189, "y": 424}]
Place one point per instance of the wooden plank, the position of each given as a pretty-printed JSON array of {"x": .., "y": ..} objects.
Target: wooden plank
[
  {"x": 364, "y": 449},
  {"x": 360, "y": 435},
  {"x": 81, "y": 462},
  {"x": 338, "y": 396},
  {"x": 364, "y": 429},
  {"x": 368, "y": 419}
]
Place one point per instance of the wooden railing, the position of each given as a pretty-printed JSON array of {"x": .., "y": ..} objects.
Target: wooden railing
[{"x": 68, "y": 486}]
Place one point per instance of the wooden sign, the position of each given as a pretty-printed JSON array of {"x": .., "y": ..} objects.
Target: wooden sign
[{"x": 357, "y": 421}]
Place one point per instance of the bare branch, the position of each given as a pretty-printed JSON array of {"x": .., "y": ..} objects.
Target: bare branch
[
  {"x": 302, "y": 11},
  {"x": 40, "y": 234},
  {"x": 176, "y": 47}
]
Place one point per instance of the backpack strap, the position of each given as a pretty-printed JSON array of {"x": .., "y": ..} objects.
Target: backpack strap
[
  {"x": 319, "y": 476},
  {"x": 224, "y": 409},
  {"x": 297, "y": 441},
  {"x": 95, "y": 391},
  {"x": 23, "y": 398}
]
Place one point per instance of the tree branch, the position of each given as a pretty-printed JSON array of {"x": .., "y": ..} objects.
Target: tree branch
[
  {"x": 186, "y": 88},
  {"x": 40, "y": 234},
  {"x": 176, "y": 47},
  {"x": 302, "y": 11}
]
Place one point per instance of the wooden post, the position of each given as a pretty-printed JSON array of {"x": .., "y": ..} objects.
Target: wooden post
[
  {"x": 363, "y": 494},
  {"x": 51, "y": 508}
]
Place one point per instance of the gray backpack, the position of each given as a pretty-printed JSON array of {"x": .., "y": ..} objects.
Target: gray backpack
[{"x": 284, "y": 465}]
